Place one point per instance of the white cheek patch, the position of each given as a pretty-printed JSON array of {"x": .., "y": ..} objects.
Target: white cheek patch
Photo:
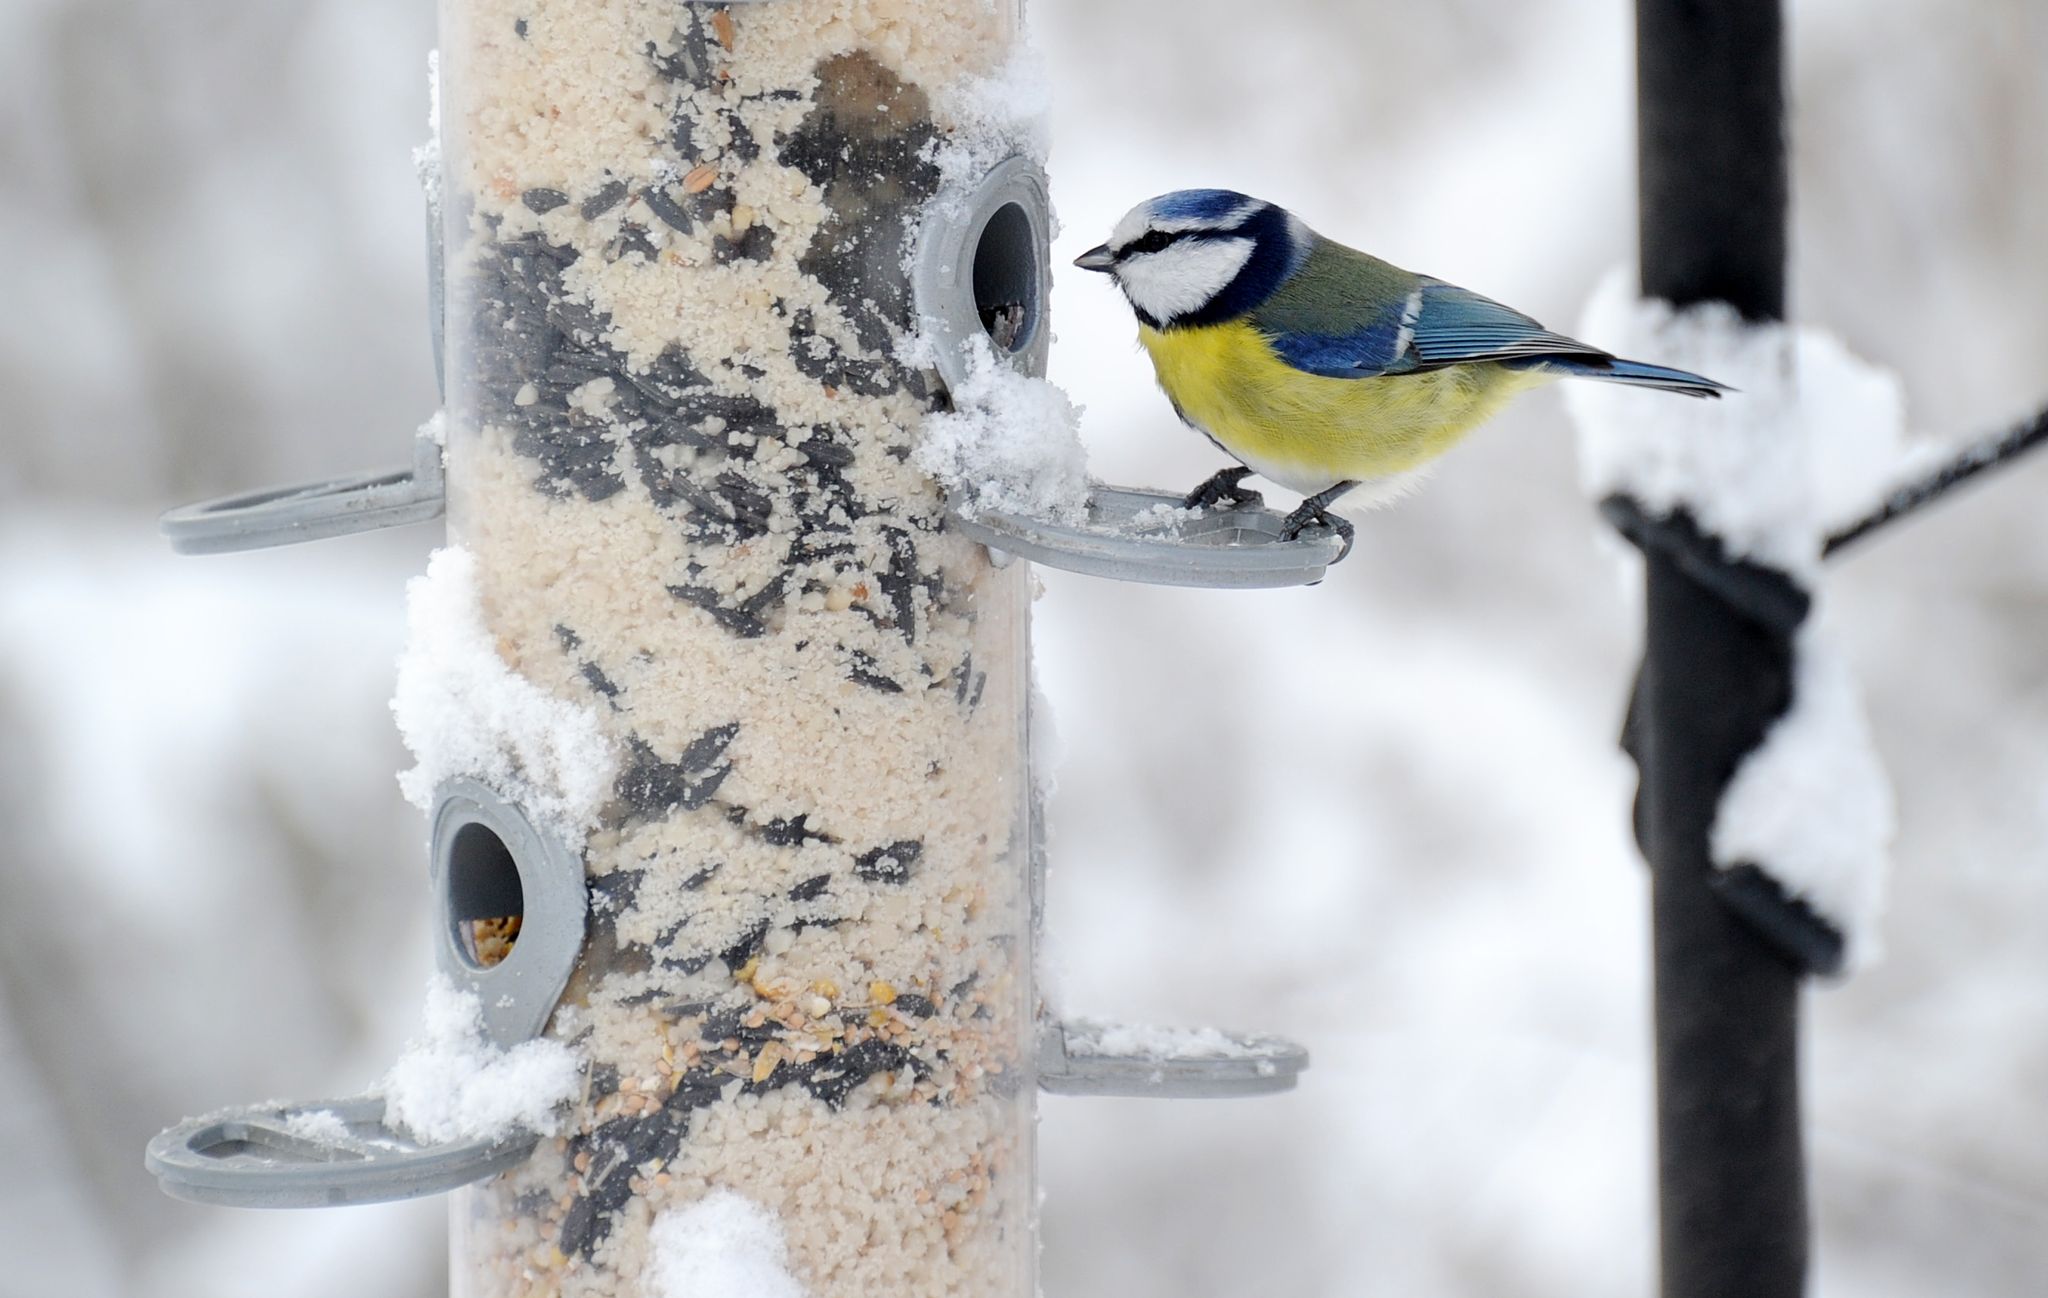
[{"x": 1182, "y": 277}]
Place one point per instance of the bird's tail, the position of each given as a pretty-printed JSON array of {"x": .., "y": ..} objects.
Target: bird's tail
[{"x": 1613, "y": 369}]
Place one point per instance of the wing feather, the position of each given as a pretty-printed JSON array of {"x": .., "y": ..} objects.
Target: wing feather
[{"x": 1435, "y": 326}]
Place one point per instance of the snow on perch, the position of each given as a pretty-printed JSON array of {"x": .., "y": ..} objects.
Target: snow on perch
[
  {"x": 1156, "y": 1042},
  {"x": 1811, "y": 437},
  {"x": 1009, "y": 445},
  {"x": 322, "y": 1126},
  {"x": 462, "y": 711},
  {"x": 450, "y": 1084}
]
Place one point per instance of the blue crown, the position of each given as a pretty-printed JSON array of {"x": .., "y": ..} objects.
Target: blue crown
[{"x": 1203, "y": 205}]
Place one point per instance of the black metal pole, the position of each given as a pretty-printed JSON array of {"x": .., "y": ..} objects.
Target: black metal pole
[
  {"x": 1710, "y": 152},
  {"x": 1717, "y": 671}
]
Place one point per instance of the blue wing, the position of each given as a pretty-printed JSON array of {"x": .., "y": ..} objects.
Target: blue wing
[{"x": 1435, "y": 326}]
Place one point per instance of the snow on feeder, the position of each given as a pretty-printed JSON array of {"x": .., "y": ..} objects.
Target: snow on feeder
[{"x": 719, "y": 696}]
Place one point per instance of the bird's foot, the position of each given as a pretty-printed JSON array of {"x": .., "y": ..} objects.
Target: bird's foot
[
  {"x": 1304, "y": 518},
  {"x": 1315, "y": 512},
  {"x": 1222, "y": 489}
]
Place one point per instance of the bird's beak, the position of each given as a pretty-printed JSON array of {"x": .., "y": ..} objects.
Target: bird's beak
[{"x": 1097, "y": 258}]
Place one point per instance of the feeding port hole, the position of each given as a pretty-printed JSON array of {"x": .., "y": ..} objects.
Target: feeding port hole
[
  {"x": 511, "y": 906},
  {"x": 983, "y": 270},
  {"x": 485, "y": 900},
  {"x": 1006, "y": 275}
]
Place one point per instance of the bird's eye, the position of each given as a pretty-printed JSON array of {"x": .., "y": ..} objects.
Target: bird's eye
[{"x": 1151, "y": 241}]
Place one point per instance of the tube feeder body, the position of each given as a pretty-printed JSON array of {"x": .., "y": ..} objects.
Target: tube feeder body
[{"x": 678, "y": 449}]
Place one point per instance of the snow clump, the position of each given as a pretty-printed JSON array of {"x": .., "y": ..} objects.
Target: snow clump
[
  {"x": 463, "y": 712},
  {"x": 450, "y": 1084},
  {"x": 1010, "y": 445},
  {"x": 722, "y": 1246}
]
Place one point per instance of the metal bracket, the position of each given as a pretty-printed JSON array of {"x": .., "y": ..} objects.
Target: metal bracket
[
  {"x": 316, "y": 1155},
  {"x": 1082, "y": 1057},
  {"x": 489, "y": 861},
  {"x": 1145, "y": 536}
]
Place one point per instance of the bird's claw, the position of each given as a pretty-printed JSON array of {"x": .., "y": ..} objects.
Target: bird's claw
[
  {"x": 1222, "y": 488},
  {"x": 1309, "y": 516}
]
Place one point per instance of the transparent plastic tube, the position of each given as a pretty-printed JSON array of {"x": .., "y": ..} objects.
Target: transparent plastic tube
[{"x": 678, "y": 449}]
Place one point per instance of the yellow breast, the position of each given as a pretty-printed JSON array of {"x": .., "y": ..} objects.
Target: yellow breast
[{"x": 1307, "y": 432}]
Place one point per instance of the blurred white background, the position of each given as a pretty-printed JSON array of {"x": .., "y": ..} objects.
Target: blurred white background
[{"x": 1385, "y": 816}]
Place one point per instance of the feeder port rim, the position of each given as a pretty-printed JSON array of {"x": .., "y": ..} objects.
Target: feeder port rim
[
  {"x": 944, "y": 266},
  {"x": 518, "y": 994}
]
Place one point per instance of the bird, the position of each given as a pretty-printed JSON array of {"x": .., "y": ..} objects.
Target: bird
[{"x": 1320, "y": 367}]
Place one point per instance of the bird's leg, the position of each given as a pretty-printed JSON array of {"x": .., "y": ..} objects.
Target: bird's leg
[
  {"x": 1314, "y": 512},
  {"x": 1222, "y": 488}
]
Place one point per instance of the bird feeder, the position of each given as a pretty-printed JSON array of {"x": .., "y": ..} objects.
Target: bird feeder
[{"x": 791, "y": 936}]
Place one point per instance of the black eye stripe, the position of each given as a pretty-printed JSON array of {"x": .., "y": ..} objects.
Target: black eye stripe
[{"x": 1151, "y": 241}]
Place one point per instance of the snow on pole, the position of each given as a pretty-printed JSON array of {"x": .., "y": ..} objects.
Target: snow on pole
[
  {"x": 683, "y": 405},
  {"x": 1810, "y": 436}
]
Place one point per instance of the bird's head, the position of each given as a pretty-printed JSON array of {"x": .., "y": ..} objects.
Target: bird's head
[{"x": 1200, "y": 256}]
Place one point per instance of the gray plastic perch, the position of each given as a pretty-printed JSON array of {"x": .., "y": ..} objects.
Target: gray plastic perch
[
  {"x": 1170, "y": 1064},
  {"x": 1144, "y": 536},
  {"x": 316, "y": 1154},
  {"x": 312, "y": 511}
]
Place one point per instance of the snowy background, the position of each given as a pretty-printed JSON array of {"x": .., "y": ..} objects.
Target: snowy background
[{"x": 1384, "y": 816}]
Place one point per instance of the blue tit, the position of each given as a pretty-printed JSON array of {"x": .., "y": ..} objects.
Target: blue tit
[{"x": 1320, "y": 367}]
